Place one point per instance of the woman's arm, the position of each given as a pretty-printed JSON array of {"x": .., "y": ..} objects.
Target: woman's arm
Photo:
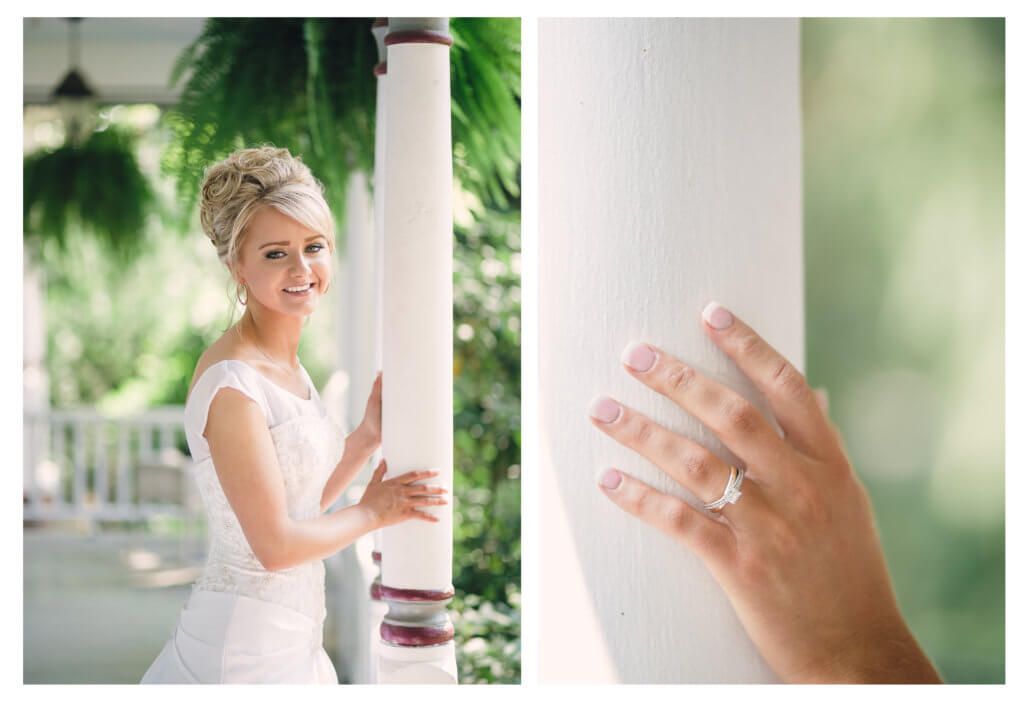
[
  {"x": 358, "y": 449},
  {"x": 359, "y": 446},
  {"x": 246, "y": 464}
]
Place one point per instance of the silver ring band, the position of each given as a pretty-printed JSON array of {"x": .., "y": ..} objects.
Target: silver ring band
[{"x": 732, "y": 491}]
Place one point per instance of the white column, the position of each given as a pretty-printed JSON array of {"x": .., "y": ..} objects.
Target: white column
[
  {"x": 36, "y": 390},
  {"x": 416, "y": 568},
  {"x": 37, "y": 385},
  {"x": 361, "y": 293},
  {"x": 380, "y": 29},
  {"x": 356, "y": 305},
  {"x": 669, "y": 176}
]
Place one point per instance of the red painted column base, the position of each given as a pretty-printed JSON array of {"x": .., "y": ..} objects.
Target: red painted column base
[{"x": 416, "y": 617}]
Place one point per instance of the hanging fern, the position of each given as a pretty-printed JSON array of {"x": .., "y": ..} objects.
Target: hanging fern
[
  {"x": 97, "y": 187},
  {"x": 486, "y": 98},
  {"x": 308, "y": 85}
]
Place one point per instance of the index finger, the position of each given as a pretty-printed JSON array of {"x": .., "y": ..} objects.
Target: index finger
[
  {"x": 790, "y": 397},
  {"x": 415, "y": 475}
]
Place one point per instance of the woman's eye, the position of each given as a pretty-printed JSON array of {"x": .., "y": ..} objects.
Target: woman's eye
[{"x": 313, "y": 248}]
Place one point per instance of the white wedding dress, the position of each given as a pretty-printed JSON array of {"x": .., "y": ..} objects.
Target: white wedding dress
[{"x": 242, "y": 623}]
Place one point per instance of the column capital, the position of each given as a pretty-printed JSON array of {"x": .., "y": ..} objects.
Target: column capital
[{"x": 418, "y": 30}]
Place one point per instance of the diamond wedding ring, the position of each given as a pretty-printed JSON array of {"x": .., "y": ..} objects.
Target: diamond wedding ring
[{"x": 732, "y": 491}]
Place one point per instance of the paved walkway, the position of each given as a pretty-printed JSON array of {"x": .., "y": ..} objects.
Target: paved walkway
[{"x": 98, "y": 609}]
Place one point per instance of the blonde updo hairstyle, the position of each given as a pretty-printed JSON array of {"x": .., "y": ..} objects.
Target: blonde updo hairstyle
[{"x": 250, "y": 179}]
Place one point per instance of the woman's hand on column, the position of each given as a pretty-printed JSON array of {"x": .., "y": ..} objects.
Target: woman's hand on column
[
  {"x": 797, "y": 553},
  {"x": 395, "y": 500}
]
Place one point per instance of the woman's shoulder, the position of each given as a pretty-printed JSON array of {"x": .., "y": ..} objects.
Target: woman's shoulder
[
  {"x": 225, "y": 348},
  {"x": 222, "y": 365}
]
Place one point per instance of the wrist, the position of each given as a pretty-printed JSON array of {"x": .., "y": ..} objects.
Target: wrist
[
  {"x": 363, "y": 440},
  {"x": 891, "y": 657},
  {"x": 359, "y": 445},
  {"x": 367, "y": 516}
]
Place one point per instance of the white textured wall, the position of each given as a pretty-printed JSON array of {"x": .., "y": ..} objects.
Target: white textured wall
[{"x": 669, "y": 175}]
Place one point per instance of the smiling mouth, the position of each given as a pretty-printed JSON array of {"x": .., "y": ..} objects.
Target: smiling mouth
[{"x": 300, "y": 289}]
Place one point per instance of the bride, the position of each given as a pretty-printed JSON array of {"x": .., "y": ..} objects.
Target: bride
[{"x": 268, "y": 459}]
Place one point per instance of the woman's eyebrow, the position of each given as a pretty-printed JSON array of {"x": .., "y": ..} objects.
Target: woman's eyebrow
[{"x": 285, "y": 243}]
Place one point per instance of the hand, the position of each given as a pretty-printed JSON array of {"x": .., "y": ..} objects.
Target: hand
[
  {"x": 395, "y": 500},
  {"x": 798, "y": 553},
  {"x": 370, "y": 427}
]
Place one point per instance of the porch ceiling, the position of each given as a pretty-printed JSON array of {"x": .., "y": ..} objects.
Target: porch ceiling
[{"x": 122, "y": 59}]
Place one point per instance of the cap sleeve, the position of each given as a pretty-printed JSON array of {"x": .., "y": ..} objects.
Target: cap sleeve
[{"x": 226, "y": 373}]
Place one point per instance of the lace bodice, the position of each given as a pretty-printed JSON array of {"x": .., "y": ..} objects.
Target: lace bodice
[{"x": 309, "y": 443}]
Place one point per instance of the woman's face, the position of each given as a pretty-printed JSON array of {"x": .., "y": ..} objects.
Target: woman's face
[{"x": 279, "y": 253}]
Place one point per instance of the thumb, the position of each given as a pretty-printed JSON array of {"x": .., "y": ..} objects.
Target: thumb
[{"x": 378, "y": 474}]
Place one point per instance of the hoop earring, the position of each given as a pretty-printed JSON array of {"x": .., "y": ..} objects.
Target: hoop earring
[
  {"x": 238, "y": 288},
  {"x": 328, "y": 287}
]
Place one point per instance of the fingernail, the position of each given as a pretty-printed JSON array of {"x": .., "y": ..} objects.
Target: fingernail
[
  {"x": 639, "y": 356},
  {"x": 605, "y": 410},
  {"x": 611, "y": 479},
  {"x": 717, "y": 316}
]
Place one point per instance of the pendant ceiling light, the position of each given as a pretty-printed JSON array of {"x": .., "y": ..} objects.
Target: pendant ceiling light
[{"x": 75, "y": 100}]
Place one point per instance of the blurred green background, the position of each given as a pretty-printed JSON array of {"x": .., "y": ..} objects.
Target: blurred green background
[{"x": 904, "y": 197}]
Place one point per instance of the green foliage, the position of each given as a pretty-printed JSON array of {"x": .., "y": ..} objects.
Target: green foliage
[
  {"x": 487, "y": 405},
  {"x": 904, "y": 237},
  {"x": 284, "y": 81},
  {"x": 125, "y": 338},
  {"x": 487, "y": 637},
  {"x": 96, "y": 187},
  {"x": 488, "y": 546},
  {"x": 308, "y": 85},
  {"x": 486, "y": 107}
]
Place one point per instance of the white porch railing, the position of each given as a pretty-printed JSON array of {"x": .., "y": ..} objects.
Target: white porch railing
[{"x": 79, "y": 464}]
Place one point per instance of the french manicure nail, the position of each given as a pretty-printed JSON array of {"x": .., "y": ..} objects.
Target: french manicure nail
[
  {"x": 611, "y": 479},
  {"x": 717, "y": 316},
  {"x": 639, "y": 356},
  {"x": 605, "y": 410}
]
